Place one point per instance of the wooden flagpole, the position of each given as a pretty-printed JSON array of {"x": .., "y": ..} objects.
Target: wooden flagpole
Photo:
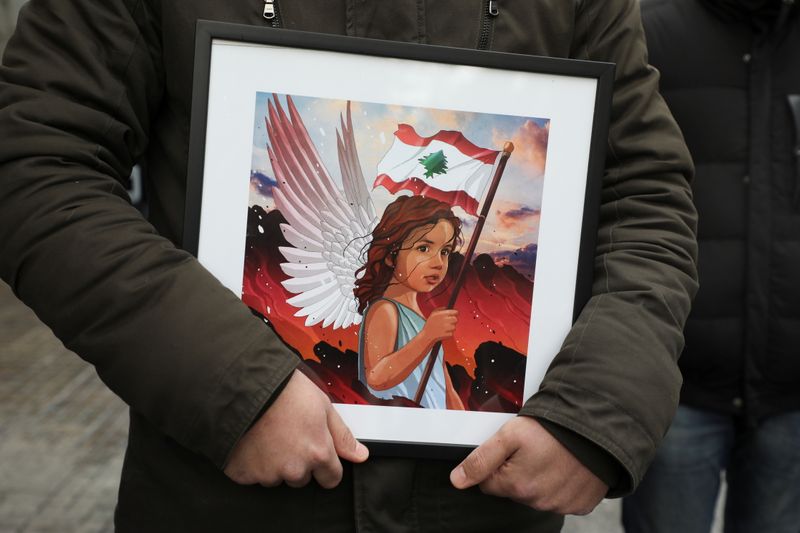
[{"x": 508, "y": 148}]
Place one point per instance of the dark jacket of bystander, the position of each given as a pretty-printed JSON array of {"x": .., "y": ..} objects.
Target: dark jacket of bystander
[{"x": 731, "y": 76}]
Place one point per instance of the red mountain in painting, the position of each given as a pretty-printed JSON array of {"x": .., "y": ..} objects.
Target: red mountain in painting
[{"x": 485, "y": 355}]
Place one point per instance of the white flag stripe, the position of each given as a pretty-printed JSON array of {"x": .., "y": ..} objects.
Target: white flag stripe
[{"x": 463, "y": 172}]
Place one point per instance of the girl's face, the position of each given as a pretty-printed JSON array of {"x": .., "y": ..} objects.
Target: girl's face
[{"x": 421, "y": 263}]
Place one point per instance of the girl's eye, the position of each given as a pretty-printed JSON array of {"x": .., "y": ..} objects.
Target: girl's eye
[
  {"x": 423, "y": 248},
  {"x": 445, "y": 252}
]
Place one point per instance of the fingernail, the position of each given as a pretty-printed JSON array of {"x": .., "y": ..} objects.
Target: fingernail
[{"x": 458, "y": 477}]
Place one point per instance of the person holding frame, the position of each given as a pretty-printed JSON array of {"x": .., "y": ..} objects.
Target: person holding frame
[{"x": 88, "y": 89}]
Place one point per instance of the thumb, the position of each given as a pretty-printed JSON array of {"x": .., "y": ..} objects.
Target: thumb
[
  {"x": 345, "y": 444},
  {"x": 481, "y": 463}
]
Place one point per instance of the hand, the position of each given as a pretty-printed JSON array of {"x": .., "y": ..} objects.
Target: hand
[
  {"x": 522, "y": 461},
  {"x": 440, "y": 325},
  {"x": 301, "y": 435}
]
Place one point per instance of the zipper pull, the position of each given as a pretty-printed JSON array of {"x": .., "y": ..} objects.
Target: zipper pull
[
  {"x": 269, "y": 9},
  {"x": 493, "y": 10}
]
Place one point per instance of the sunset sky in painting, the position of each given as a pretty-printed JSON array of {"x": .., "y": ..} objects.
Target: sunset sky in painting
[{"x": 514, "y": 220}]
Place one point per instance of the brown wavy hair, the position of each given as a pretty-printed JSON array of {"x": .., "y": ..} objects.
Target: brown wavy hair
[{"x": 401, "y": 218}]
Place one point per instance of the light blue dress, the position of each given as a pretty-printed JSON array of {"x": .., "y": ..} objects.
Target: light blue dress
[{"x": 409, "y": 324}]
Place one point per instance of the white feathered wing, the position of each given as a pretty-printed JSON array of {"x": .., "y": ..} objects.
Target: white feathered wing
[{"x": 328, "y": 228}]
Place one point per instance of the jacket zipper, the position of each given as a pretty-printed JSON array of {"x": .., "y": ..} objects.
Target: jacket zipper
[
  {"x": 490, "y": 11},
  {"x": 272, "y": 13}
]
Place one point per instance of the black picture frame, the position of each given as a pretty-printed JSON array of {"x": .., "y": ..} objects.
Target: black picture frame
[{"x": 594, "y": 80}]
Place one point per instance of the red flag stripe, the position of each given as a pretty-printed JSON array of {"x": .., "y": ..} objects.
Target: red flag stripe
[
  {"x": 421, "y": 188},
  {"x": 408, "y": 135}
]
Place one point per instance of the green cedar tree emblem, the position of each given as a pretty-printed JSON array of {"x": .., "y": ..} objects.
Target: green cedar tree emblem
[{"x": 435, "y": 163}]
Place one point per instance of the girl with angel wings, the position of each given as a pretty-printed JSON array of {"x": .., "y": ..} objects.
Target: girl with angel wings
[{"x": 346, "y": 267}]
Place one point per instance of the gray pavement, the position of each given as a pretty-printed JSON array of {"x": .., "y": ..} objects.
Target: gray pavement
[{"x": 62, "y": 432}]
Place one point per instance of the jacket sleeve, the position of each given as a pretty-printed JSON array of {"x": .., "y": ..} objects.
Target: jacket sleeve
[
  {"x": 78, "y": 86},
  {"x": 615, "y": 380}
]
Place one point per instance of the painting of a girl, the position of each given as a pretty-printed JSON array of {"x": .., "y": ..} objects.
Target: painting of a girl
[
  {"x": 350, "y": 265},
  {"x": 409, "y": 254}
]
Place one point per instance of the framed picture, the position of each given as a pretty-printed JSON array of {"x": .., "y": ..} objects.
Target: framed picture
[{"x": 416, "y": 223}]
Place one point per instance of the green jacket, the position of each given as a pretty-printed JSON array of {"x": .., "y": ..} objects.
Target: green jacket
[{"x": 89, "y": 88}]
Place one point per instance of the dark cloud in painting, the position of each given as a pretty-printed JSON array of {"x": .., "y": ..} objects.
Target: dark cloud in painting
[
  {"x": 516, "y": 216},
  {"x": 261, "y": 187},
  {"x": 522, "y": 212},
  {"x": 522, "y": 259}
]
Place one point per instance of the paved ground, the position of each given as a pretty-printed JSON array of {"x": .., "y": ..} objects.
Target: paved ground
[{"x": 62, "y": 433}]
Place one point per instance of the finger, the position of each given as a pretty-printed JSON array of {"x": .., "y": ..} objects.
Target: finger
[
  {"x": 270, "y": 481},
  {"x": 327, "y": 468},
  {"x": 481, "y": 463},
  {"x": 497, "y": 485},
  {"x": 242, "y": 477},
  {"x": 345, "y": 444},
  {"x": 510, "y": 482},
  {"x": 297, "y": 477},
  {"x": 329, "y": 473}
]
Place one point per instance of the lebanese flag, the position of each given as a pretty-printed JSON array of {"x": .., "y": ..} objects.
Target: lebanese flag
[{"x": 445, "y": 166}]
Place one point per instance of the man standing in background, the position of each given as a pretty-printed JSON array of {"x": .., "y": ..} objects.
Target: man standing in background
[{"x": 731, "y": 76}]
